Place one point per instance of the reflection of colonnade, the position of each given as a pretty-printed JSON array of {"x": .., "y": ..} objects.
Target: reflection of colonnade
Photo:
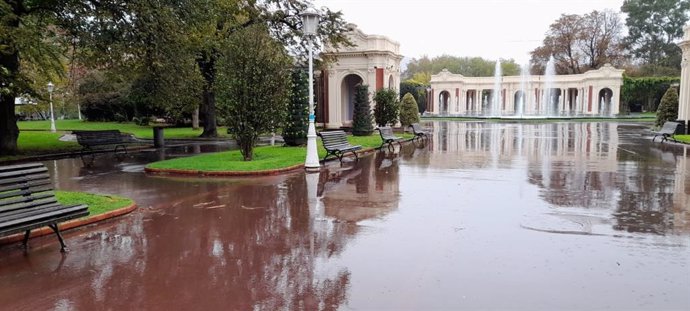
[
  {"x": 595, "y": 92},
  {"x": 596, "y": 142}
]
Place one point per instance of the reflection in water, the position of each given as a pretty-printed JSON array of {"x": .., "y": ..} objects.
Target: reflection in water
[
  {"x": 581, "y": 165},
  {"x": 458, "y": 223}
]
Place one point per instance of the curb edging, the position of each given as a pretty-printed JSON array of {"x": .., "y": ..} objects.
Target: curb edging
[{"x": 74, "y": 223}]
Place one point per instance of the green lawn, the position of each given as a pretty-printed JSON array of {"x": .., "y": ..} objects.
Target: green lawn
[
  {"x": 98, "y": 204},
  {"x": 265, "y": 158},
  {"x": 137, "y": 130},
  {"x": 683, "y": 138}
]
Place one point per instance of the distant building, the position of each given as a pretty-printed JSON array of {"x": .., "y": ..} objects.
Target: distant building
[
  {"x": 593, "y": 93},
  {"x": 373, "y": 60}
]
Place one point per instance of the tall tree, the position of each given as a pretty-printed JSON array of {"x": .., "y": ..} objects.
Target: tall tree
[
  {"x": 579, "y": 43},
  {"x": 653, "y": 26},
  {"x": 26, "y": 37},
  {"x": 254, "y": 72}
]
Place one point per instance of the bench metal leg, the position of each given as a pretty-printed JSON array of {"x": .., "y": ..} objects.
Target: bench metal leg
[
  {"x": 63, "y": 247},
  {"x": 25, "y": 242}
]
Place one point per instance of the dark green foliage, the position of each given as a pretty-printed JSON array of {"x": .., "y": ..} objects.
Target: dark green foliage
[
  {"x": 418, "y": 91},
  {"x": 467, "y": 66},
  {"x": 653, "y": 26},
  {"x": 297, "y": 121},
  {"x": 362, "y": 119},
  {"x": 668, "y": 108},
  {"x": 386, "y": 108},
  {"x": 408, "y": 110},
  {"x": 104, "y": 98},
  {"x": 254, "y": 73},
  {"x": 644, "y": 94}
]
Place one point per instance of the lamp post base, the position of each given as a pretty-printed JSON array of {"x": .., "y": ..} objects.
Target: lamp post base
[{"x": 312, "y": 162}]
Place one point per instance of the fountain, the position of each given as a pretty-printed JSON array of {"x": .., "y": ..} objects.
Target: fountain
[
  {"x": 495, "y": 110},
  {"x": 524, "y": 77},
  {"x": 547, "y": 96}
]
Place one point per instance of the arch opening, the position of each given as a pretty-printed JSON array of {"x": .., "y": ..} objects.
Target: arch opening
[{"x": 347, "y": 95}]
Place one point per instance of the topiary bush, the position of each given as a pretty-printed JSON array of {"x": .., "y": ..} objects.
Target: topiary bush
[
  {"x": 297, "y": 121},
  {"x": 386, "y": 108},
  {"x": 362, "y": 119},
  {"x": 668, "y": 108},
  {"x": 409, "y": 112}
]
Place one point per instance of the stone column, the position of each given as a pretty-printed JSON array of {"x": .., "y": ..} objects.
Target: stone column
[{"x": 684, "y": 102}]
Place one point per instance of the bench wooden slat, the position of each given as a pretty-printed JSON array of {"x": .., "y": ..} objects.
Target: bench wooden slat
[
  {"x": 16, "y": 214},
  {"x": 43, "y": 222},
  {"x": 42, "y": 216},
  {"x": 21, "y": 167},
  {"x": 335, "y": 143},
  {"x": 28, "y": 202},
  {"x": 18, "y": 173},
  {"x": 23, "y": 191},
  {"x": 24, "y": 185}
]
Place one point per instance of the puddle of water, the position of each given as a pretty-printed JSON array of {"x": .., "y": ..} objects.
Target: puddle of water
[{"x": 485, "y": 216}]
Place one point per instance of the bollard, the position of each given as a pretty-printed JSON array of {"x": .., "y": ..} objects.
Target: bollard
[{"x": 158, "y": 139}]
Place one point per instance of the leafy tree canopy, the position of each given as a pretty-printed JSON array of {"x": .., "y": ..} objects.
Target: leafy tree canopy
[
  {"x": 420, "y": 69},
  {"x": 653, "y": 26}
]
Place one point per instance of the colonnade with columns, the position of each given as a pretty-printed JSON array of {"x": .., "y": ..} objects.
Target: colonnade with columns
[{"x": 594, "y": 93}]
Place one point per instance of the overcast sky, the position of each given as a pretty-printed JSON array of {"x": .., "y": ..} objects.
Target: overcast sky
[{"x": 491, "y": 29}]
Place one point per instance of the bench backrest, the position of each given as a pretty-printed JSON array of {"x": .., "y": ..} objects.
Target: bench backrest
[
  {"x": 386, "y": 132},
  {"x": 334, "y": 139},
  {"x": 24, "y": 186},
  {"x": 416, "y": 128},
  {"x": 103, "y": 137},
  {"x": 669, "y": 128}
]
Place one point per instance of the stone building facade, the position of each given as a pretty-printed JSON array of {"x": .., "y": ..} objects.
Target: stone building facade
[
  {"x": 373, "y": 60},
  {"x": 593, "y": 93}
]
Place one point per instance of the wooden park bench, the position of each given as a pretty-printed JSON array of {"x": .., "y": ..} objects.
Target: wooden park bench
[
  {"x": 667, "y": 131},
  {"x": 335, "y": 143},
  {"x": 90, "y": 139},
  {"x": 419, "y": 131},
  {"x": 27, "y": 202},
  {"x": 387, "y": 137}
]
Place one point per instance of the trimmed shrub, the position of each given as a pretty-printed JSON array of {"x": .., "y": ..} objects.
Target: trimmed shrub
[
  {"x": 362, "y": 119},
  {"x": 297, "y": 121},
  {"x": 386, "y": 108},
  {"x": 409, "y": 112},
  {"x": 668, "y": 108}
]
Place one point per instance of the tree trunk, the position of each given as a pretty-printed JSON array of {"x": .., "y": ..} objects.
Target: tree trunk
[
  {"x": 207, "y": 65},
  {"x": 209, "y": 113},
  {"x": 195, "y": 119},
  {"x": 9, "y": 132}
]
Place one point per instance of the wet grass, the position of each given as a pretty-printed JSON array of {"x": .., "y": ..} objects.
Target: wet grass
[
  {"x": 145, "y": 132},
  {"x": 98, "y": 204},
  {"x": 683, "y": 138},
  {"x": 265, "y": 158}
]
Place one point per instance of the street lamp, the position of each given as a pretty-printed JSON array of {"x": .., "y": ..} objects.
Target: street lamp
[
  {"x": 310, "y": 22},
  {"x": 51, "y": 87}
]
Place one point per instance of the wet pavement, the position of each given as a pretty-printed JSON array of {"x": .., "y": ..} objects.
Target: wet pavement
[{"x": 546, "y": 216}]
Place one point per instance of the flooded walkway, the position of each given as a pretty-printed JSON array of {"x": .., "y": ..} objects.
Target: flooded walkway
[{"x": 546, "y": 216}]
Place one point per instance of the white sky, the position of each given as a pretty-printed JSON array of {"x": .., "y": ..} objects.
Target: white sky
[{"x": 491, "y": 29}]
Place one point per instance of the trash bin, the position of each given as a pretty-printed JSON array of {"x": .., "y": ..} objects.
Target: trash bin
[{"x": 158, "y": 139}]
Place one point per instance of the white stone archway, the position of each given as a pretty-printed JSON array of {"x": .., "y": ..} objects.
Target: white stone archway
[
  {"x": 373, "y": 58},
  {"x": 568, "y": 95}
]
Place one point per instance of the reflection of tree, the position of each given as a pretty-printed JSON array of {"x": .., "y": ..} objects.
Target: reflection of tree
[{"x": 235, "y": 247}]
